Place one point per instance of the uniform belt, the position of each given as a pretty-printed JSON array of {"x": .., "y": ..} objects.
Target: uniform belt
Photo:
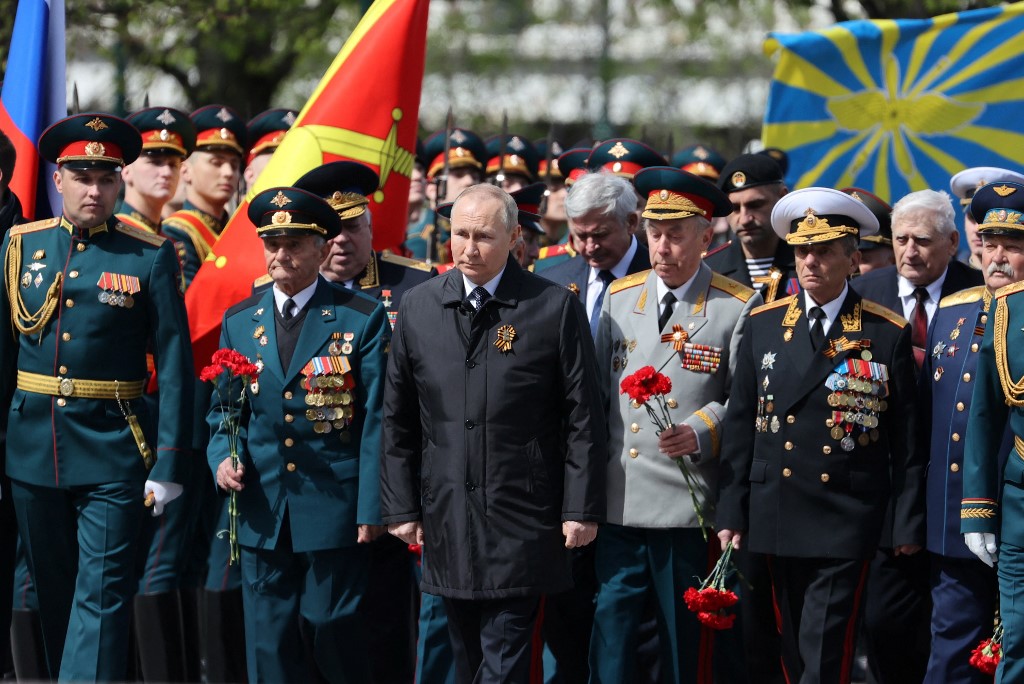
[
  {"x": 1018, "y": 445},
  {"x": 85, "y": 389}
]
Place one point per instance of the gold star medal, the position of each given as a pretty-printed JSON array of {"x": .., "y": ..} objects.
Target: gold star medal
[{"x": 506, "y": 335}]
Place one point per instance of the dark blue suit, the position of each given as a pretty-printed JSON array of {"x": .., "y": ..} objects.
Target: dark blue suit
[{"x": 964, "y": 590}]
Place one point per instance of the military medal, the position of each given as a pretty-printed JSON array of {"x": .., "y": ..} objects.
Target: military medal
[
  {"x": 26, "y": 279},
  {"x": 776, "y": 425},
  {"x": 38, "y": 254},
  {"x": 263, "y": 340},
  {"x": 938, "y": 373},
  {"x": 768, "y": 361},
  {"x": 847, "y": 443},
  {"x": 258, "y": 332},
  {"x": 506, "y": 335},
  {"x": 677, "y": 338},
  {"x": 38, "y": 280},
  {"x": 938, "y": 350},
  {"x": 347, "y": 347},
  {"x": 615, "y": 364},
  {"x": 788, "y": 335},
  {"x": 386, "y": 298},
  {"x": 951, "y": 350}
]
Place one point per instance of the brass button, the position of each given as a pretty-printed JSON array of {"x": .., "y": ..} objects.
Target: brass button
[
  {"x": 290, "y": 467},
  {"x": 66, "y": 337},
  {"x": 289, "y": 418},
  {"x": 959, "y": 406},
  {"x": 824, "y": 477},
  {"x": 63, "y": 370},
  {"x": 955, "y": 467},
  {"x": 288, "y": 395},
  {"x": 956, "y": 436},
  {"x": 789, "y": 446},
  {"x": 81, "y": 247},
  {"x": 62, "y": 401},
  {"x": 792, "y": 419},
  {"x": 634, "y": 428},
  {"x": 672, "y": 403},
  {"x": 69, "y": 303},
  {"x": 73, "y": 274},
  {"x": 974, "y": 347},
  {"x": 984, "y": 318},
  {"x": 633, "y": 453},
  {"x": 786, "y": 472},
  {"x": 826, "y": 450},
  {"x": 967, "y": 377},
  {"x": 829, "y": 422},
  {"x": 289, "y": 442}
]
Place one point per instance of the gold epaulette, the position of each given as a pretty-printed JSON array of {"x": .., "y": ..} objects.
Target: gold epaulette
[
  {"x": 1009, "y": 289},
  {"x": 23, "y": 228},
  {"x": 632, "y": 280},
  {"x": 556, "y": 250},
  {"x": 262, "y": 280},
  {"x": 785, "y": 301},
  {"x": 882, "y": 312},
  {"x": 971, "y": 294},
  {"x": 730, "y": 286},
  {"x": 405, "y": 261},
  {"x": 140, "y": 234}
]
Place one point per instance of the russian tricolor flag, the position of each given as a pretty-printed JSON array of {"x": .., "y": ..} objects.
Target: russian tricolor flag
[{"x": 34, "y": 96}]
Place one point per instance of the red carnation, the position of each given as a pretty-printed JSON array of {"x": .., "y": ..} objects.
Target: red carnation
[
  {"x": 644, "y": 384},
  {"x": 716, "y": 620},
  {"x": 211, "y": 372}
]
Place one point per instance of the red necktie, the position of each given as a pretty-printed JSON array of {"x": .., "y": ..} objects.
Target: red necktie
[{"x": 919, "y": 326}]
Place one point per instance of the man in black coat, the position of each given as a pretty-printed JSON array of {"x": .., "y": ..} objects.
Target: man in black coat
[
  {"x": 925, "y": 241},
  {"x": 495, "y": 444},
  {"x": 822, "y": 410}
]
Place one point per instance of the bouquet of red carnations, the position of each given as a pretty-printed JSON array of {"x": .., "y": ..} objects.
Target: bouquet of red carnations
[{"x": 712, "y": 598}]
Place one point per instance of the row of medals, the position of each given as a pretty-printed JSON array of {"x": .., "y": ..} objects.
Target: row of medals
[
  {"x": 332, "y": 404},
  {"x": 117, "y": 299},
  {"x": 859, "y": 398}
]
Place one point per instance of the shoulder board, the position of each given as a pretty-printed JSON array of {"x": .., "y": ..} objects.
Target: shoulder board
[
  {"x": 730, "y": 286},
  {"x": 250, "y": 301},
  {"x": 879, "y": 310},
  {"x": 405, "y": 261},
  {"x": 632, "y": 280},
  {"x": 1009, "y": 289},
  {"x": 785, "y": 301},
  {"x": 35, "y": 225},
  {"x": 556, "y": 250},
  {"x": 971, "y": 294},
  {"x": 140, "y": 234},
  {"x": 718, "y": 249},
  {"x": 262, "y": 280}
]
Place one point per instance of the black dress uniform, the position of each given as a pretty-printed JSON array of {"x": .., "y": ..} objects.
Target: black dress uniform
[{"x": 829, "y": 443}]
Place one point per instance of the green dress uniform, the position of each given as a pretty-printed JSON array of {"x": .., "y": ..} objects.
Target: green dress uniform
[{"x": 86, "y": 305}]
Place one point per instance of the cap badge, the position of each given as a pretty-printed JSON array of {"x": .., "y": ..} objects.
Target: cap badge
[
  {"x": 515, "y": 143},
  {"x": 458, "y": 136},
  {"x": 164, "y": 135},
  {"x": 337, "y": 196},
  {"x": 166, "y": 118},
  {"x": 95, "y": 149},
  {"x": 739, "y": 179},
  {"x": 856, "y": 196},
  {"x": 663, "y": 195},
  {"x": 616, "y": 167},
  {"x": 281, "y": 217},
  {"x": 225, "y": 134},
  {"x": 618, "y": 150},
  {"x": 289, "y": 118},
  {"x": 224, "y": 115},
  {"x": 811, "y": 218},
  {"x": 700, "y": 153},
  {"x": 280, "y": 199},
  {"x": 1004, "y": 190},
  {"x": 97, "y": 124}
]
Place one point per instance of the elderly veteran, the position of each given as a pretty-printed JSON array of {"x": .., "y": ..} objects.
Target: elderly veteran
[
  {"x": 963, "y": 185},
  {"x": 826, "y": 381}
]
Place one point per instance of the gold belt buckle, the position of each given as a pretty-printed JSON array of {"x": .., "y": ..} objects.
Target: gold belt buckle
[{"x": 67, "y": 386}]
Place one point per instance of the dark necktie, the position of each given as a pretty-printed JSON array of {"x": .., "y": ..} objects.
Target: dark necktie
[
  {"x": 817, "y": 328},
  {"x": 478, "y": 297},
  {"x": 919, "y": 326},
  {"x": 605, "y": 278},
  {"x": 667, "y": 306},
  {"x": 288, "y": 310}
]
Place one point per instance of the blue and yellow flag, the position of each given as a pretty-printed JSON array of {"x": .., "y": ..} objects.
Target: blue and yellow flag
[{"x": 899, "y": 106}]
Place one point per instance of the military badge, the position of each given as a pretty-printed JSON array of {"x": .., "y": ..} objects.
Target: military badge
[
  {"x": 938, "y": 350},
  {"x": 574, "y": 288},
  {"x": 258, "y": 332},
  {"x": 788, "y": 335},
  {"x": 38, "y": 254},
  {"x": 26, "y": 279},
  {"x": 938, "y": 373},
  {"x": 768, "y": 361},
  {"x": 951, "y": 350},
  {"x": 325, "y": 312},
  {"x": 385, "y": 298},
  {"x": 677, "y": 338},
  {"x": 506, "y": 335},
  {"x": 259, "y": 311},
  {"x": 263, "y": 340},
  {"x": 38, "y": 280},
  {"x": 334, "y": 348},
  {"x": 346, "y": 348}
]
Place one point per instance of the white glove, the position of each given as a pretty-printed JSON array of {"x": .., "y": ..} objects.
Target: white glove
[
  {"x": 159, "y": 494},
  {"x": 983, "y": 545}
]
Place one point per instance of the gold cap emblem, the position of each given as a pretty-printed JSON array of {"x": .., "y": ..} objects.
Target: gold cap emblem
[
  {"x": 618, "y": 150},
  {"x": 95, "y": 149},
  {"x": 97, "y": 124},
  {"x": 280, "y": 199},
  {"x": 739, "y": 179},
  {"x": 663, "y": 195},
  {"x": 281, "y": 217},
  {"x": 1004, "y": 190}
]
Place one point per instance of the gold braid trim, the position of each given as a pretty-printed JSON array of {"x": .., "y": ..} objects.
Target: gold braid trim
[
  {"x": 972, "y": 513},
  {"x": 27, "y": 323},
  {"x": 711, "y": 426},
  {"x": 1012, "y": 391}
]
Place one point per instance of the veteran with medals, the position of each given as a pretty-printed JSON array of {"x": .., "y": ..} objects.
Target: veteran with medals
[
  {"x": 86, "y": 297},
  {"x": 687, "y": 321},
  {"x": 993, "y": 498},
  {"x": 825, "y": 380},
  {"x": 308, "y": 487}
]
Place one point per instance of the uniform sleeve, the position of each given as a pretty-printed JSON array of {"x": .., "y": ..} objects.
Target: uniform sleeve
[
  {"x": 402, "y": 435},
  {"x": 907, "y": 463},
  {"x": 583, "y": 496},
  {"x": 371, "y": 378},
  {"x": 172, "y": 353},
  {"x": 979, "y": 508},
  {"x": 738, "y": 443}
]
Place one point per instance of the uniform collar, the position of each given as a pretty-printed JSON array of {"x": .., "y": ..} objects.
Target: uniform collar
[{"x": 81, "y": 233}]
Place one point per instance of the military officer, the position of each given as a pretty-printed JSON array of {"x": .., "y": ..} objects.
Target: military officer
[
  {"x": 681, "y": 316},
  {"x": 264, "y": 133},
  {"x": 572, "y": 164},
  {"x": 211, "y": 174},
  {"x": 86, "y": 297},
  {"x": 553, "y": 219},
  {"x": 826, "y": 380},
  {"x": 151, "y": 180},
  {"x": 875, "y": 250},
  {"x": 512, "y": 162},
  {"x": 963, "y": 185},
  {"x": 529, "y": 200},
  {"x": 991, "y": 509},
  {"x": 700, "y": 160},
  {"x": 307, "y": 480},
  {"x": 623, "y": 157},
  {"x": 963, "y": 590},
  {"x": 756, "y": 256}
]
